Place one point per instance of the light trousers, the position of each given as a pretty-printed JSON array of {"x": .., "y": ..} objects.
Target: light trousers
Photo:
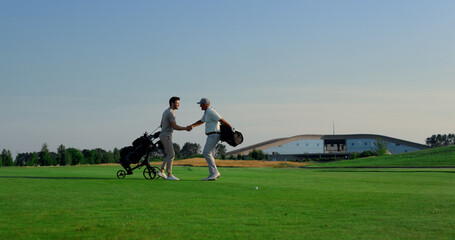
[
  {"x": 170, "y": 153},
  {"x": 209, "y": 152}
]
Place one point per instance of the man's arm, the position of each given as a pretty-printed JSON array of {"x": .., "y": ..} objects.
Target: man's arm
[
  {"x": 177, "y": 127},
  {"x": 222, "y": 121},
  {"x": 196, "y": 124}
]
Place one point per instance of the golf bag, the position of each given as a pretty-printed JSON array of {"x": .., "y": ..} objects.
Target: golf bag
[
  {"x": 231, "y": 136},
  {"x": 133, "y": 154}
]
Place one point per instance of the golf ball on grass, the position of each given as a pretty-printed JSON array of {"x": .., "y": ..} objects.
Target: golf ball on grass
[{"x": 256, "y": 188}]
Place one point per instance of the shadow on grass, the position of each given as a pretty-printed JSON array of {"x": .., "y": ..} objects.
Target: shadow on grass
[
  {"x": 72, "y": 178},
  {"x": 384, "y": 170},
  {"x": 91, "y": 178}
]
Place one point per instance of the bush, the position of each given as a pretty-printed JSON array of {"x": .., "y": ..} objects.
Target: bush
[
  {"x": 155, "y": 159},
  {"x": 367, "y": 154},
  {"x": 257, "y": 155},
  {"x": 189, "y": 150},
  {"x": 381, "y": 147}
]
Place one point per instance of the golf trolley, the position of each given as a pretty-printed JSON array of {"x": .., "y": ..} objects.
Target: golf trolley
[{"x": 140, "y": 150}]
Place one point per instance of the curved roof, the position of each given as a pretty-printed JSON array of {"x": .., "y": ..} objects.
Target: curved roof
[{"x": 281, "y": 141}]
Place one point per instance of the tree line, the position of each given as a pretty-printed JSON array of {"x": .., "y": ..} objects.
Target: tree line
[
  {"x": 72, "y": 156},
  {"x": 441, "y": 140}
]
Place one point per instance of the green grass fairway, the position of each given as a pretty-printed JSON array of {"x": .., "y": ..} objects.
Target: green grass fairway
[
  {"x": 88, "y": 202},
  {"x": 434, "y": 157}
]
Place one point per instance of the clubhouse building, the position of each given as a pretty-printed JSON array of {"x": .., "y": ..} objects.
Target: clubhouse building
[{"x": 326, "y": 146}]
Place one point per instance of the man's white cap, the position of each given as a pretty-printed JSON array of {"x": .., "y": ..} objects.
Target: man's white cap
[{"x": 204, "y": 101}]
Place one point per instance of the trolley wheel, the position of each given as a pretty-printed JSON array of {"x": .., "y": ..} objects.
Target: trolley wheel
[
  {"x": 149, "y": 173},
  {"x": 157, "y": 169},
  {"x": 121, "y": 174}
]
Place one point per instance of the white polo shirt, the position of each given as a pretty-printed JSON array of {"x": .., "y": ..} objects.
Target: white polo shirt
[{"x": 211, "y": 119}]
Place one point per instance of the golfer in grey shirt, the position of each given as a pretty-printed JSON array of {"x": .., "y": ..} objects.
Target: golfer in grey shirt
[
  {"x": 212, "y": 122},
  {"x": 168, "y": 125}
]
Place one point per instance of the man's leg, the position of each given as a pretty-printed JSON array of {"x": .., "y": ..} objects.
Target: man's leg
[
  {"x": 209, "y": 150},
  {"x": 170, "y": 154}
]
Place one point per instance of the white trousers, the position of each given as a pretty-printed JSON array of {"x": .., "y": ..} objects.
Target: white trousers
[
  {"x": 209, "y": 152},
  {"x": 170, "y": 153}
]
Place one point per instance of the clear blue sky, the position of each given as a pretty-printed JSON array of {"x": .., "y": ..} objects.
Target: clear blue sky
[{"x": 91, "y": 74}]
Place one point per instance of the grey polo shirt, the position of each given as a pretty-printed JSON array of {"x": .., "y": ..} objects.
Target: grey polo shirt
[{"x": 166, "y": 127}]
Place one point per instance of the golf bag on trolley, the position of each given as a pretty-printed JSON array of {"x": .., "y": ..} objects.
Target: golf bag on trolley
[{"x": 133, "y": 154}]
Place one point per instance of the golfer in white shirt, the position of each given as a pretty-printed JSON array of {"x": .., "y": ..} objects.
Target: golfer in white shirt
[{"x": 212, "y": 122}]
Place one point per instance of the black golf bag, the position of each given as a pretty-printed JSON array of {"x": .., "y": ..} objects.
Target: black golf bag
[
  {"x": 230, "y": 136},
  {"x": 133, "y": 154}
]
